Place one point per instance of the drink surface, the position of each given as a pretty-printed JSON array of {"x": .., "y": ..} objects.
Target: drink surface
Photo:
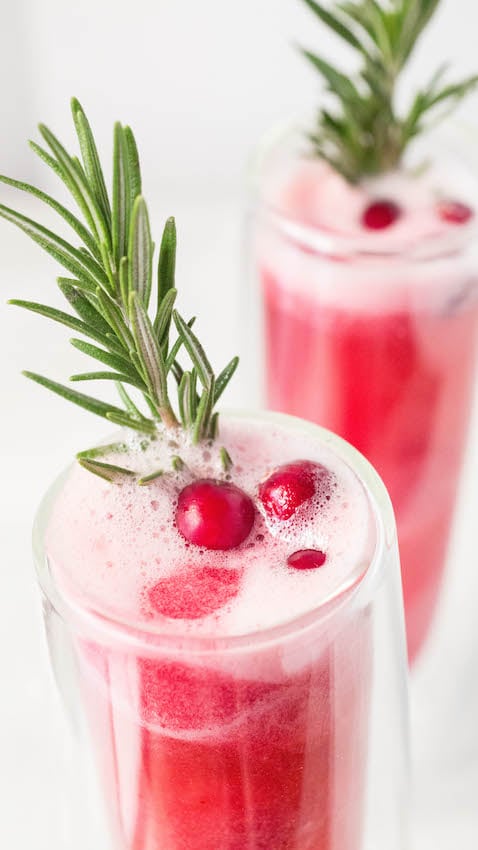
[
  {"x": 321, "y": 245},
  {"x": 430, "y": 199},
  {"x": 111, "y": 546}
]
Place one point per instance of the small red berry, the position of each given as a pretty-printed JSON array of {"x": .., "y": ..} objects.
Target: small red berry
[
  {"x": 454, "y": 212},
  {"x": 307, "y": 559},
  {"x": 381, "y": 214},
  {"x": 194, "y": 592},
  {"x": 214, "y": 514},
  {"x": 291, "y": 485}
]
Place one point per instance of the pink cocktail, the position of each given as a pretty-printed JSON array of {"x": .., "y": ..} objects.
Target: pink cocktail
[
  {"x": 229, "y": 696},
  {"x": 371, "y": 330}
]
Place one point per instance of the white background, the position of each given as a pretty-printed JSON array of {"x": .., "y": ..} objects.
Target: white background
[{"x": 199, "y": 82}]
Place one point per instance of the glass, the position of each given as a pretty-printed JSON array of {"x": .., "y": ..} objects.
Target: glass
[
  {"x": 290, "y": 738},
  {"x": 374, "y": 336}
]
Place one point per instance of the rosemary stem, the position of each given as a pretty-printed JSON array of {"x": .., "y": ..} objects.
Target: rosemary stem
[{"x": 168, "y": 417}]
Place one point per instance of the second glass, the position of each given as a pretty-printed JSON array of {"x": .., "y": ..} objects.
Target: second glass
[{"x": 373, "y": 335}]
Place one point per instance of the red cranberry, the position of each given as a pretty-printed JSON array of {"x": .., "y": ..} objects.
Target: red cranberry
[
  {"x": 291, "y": 485},
  {"x": 195, "y": 592},
  {"x": 214, "y": 514},
  {"x": 381, "y": 214},
  {"x": 454, "y": 212},
  {"x": 307, "y": 559}
]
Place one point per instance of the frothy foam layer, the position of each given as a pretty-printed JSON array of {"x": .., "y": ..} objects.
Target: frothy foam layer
[
  {"x": 310, "y": 193},
  {"x": 111, "y": 546},
  {"x": 315, "y": 243}
]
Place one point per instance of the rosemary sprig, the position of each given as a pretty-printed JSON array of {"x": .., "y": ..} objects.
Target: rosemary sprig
[
  {"x": 110, "y": 472},
  {"x": 110, "y": 292},
  {"x": 363, "y": 133},
  {"x": 102, "y": 451},
  {"x": 148, "y": 479},
  {"x": 226, "y": 460}
]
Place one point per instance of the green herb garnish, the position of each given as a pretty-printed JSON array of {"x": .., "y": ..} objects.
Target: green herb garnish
[
  {"x": 110, "y": 290},
  {"x": 364, "y": 133}
]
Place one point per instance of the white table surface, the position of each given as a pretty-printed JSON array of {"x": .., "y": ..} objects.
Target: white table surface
[{"x": 40, "y": 434}]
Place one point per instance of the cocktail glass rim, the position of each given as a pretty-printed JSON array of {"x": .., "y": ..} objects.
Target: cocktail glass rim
[{"x": 327, "y": 243}]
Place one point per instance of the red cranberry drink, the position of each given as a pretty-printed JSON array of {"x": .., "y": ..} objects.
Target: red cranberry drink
[
  {"x": 261, "y": 743},
  {"x": 377, "y": 341},
  {"x": 370, "y": 279}
]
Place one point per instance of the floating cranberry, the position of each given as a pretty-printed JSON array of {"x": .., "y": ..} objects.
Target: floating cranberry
[
  {"x": 307, "y": 559},
  {"x": 194, "y": 592},
  {"x": 214, "y": 514},
  {"x": 291, "y": 485},
  {"x": 381, "y": 214},
  {"x": 454, "y": 212}
]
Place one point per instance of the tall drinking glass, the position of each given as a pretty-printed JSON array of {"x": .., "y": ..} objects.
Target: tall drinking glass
[
  {"x": 289, "y": 737},
  {"x": 370, "y": 329}
]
